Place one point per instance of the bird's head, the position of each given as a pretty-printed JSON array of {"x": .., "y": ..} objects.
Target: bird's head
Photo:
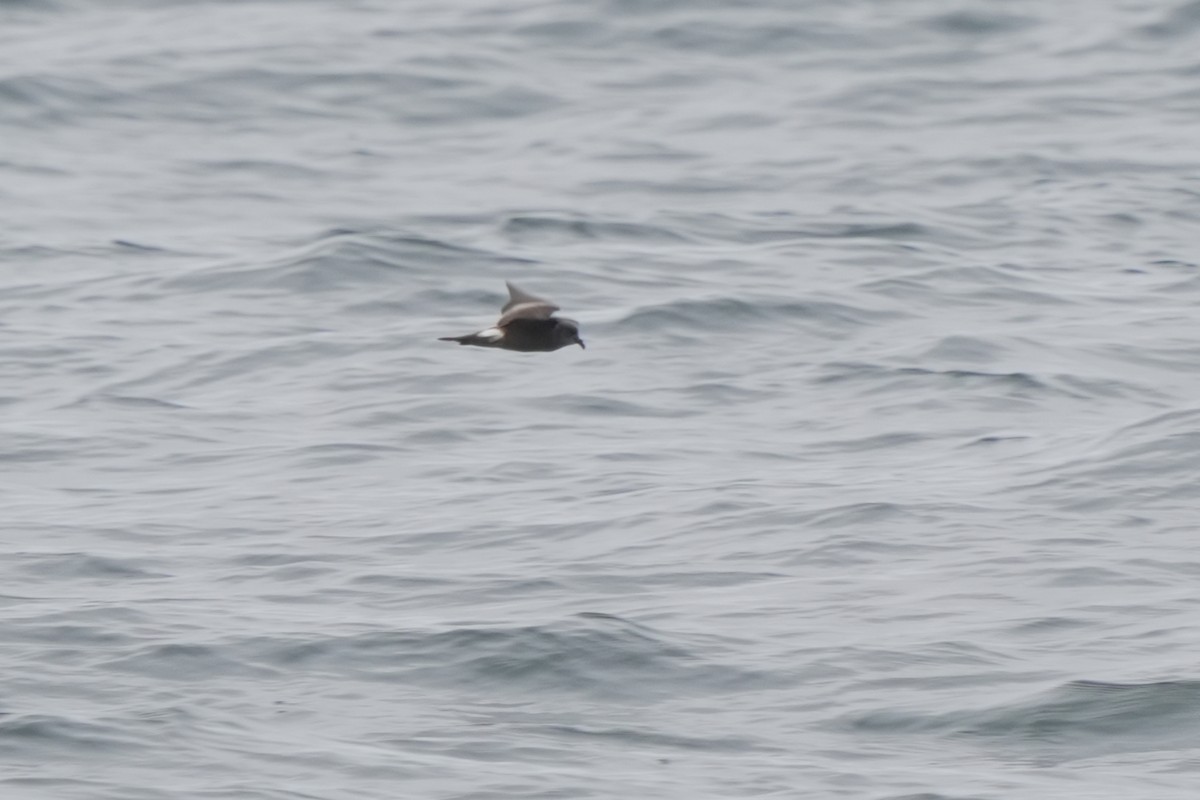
[{"x": 567, "y": 333}]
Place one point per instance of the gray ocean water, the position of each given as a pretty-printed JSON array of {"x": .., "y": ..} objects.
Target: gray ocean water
[{"x": 878, "y": 479}]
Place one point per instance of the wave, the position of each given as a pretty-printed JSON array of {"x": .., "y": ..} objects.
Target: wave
[
  {"x": 337, "y": 259},
  {"x": 592, "y": 654},
  {"x": 730, "y": 315},
  {"x": 1079, "y": 719}
]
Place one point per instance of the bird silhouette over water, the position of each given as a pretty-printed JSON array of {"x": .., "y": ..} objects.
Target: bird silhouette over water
[{"x": 526, "y": 324}]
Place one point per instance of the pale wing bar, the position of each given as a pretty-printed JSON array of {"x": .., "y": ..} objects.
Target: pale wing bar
[{"x": 523, "y": 305}]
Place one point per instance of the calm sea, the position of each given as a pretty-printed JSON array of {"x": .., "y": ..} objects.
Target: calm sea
[{"x": 879, "y": 478}]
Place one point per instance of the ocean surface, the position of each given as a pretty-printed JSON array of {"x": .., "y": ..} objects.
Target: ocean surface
[{"x": 879, "y": 477}]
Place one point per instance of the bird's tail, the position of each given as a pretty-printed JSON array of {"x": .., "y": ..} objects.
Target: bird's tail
[{"x": 488, "y": 338}]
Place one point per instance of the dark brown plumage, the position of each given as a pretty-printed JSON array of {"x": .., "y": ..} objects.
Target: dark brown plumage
[{"x": 527, "y": 324}]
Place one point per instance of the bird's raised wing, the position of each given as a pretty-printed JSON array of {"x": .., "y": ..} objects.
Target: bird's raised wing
[{"x": 523, "y": 305}]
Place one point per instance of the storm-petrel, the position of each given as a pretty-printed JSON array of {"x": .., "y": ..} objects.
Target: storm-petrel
[{"x": 526, "y": 324}]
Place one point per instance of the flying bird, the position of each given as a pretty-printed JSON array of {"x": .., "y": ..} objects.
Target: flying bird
[{"x": 526, "y": 324}]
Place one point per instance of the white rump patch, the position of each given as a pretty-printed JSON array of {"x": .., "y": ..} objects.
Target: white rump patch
[{"x": 491, "y": 334}]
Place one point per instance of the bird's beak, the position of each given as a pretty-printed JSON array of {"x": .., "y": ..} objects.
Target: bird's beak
[{"x": 581, "y": 344}]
